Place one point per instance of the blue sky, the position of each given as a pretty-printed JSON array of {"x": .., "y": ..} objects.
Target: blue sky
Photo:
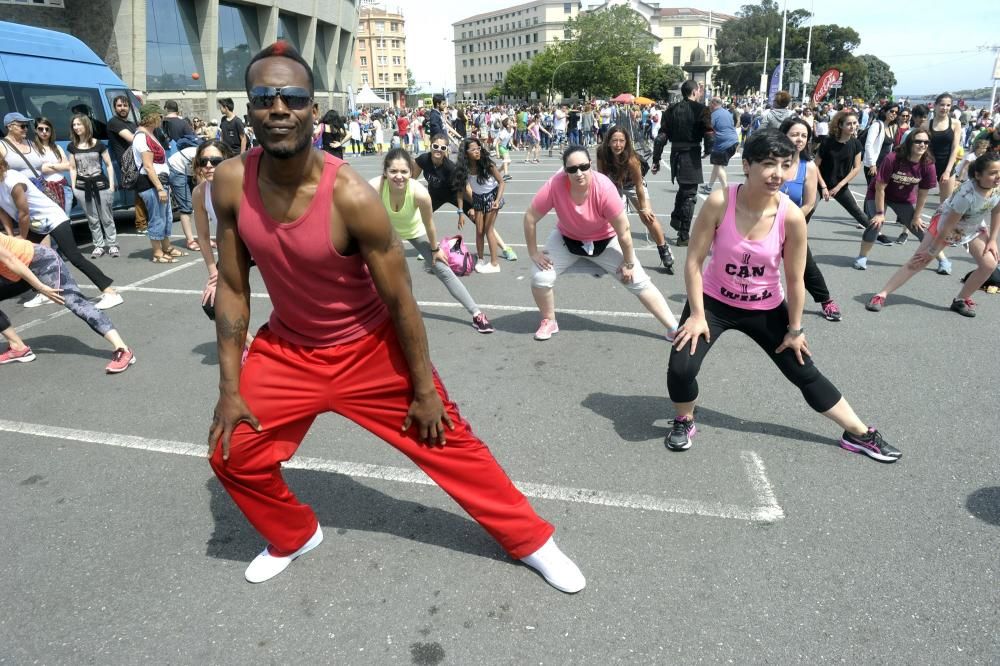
[{"x": 929, "y": 48}]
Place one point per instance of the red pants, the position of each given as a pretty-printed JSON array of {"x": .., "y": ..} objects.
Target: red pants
[{"x": 367, "y": 380}]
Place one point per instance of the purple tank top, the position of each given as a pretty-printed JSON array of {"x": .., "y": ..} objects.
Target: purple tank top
[{"x": 743, "y": 273}]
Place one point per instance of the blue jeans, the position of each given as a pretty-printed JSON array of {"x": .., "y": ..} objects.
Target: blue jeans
[
  {"x": 160, "y": 215},
  {"x": 180, "y": 192}
]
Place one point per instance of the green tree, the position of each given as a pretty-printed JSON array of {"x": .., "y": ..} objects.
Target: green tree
[
  {"x": 613, "y": 41},
  {"x": 658, "y": 82},
  {"x": 411, "y": 83},
  {"x": 517, "y": 82},
  {"x": 741, "y": 45},
  {"x": 880, "y": 78}
]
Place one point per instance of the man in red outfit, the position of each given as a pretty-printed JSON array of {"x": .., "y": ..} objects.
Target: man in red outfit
[{"x": 345, "y": 335}]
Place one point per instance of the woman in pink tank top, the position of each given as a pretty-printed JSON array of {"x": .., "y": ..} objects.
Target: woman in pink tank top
[{"x": 750, "y": 230}]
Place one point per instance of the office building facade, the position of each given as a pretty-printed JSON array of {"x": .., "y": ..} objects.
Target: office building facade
[{"x": 196, "y": 51}]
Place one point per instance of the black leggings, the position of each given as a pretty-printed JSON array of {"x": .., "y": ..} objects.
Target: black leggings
[
  {"x": 765, "y": 327},
  {"x": 683, "y": 213},
  {"x": 846, "y": 199},
  {"x": 62, "y": 234},
  {"x": 904, "y": 215},
  {"x": 814, "y": 280}
]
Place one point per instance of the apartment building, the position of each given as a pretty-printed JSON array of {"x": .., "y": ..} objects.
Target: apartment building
[
  {"x": 380, "y": 53},
  {"x": 486, "y": 45}
]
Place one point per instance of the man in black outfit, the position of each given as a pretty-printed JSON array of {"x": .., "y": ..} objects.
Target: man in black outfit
[
  {"x": 174, "y": 124},
  {"x": 686, "y": 125}
]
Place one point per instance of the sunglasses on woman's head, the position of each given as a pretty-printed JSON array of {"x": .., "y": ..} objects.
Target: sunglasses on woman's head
[
  {"x": 214, "y": 161},
  {"x": 578, "y": 167},
  {"x": 294, "y": 97}
]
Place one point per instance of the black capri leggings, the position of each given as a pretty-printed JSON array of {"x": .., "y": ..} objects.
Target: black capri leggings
[
  {"x": 63, "y": 236},
  {"x": 765, "y": 327},
  {"x": 846, "y": 199}
]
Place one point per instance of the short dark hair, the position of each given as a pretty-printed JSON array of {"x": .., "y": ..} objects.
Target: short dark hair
[
  {"x": 575, "y": 148},
  {"x": 688, "y": 87},
  {"x": 920, "y": 110},
  {"x": 437, "y": 99},
  {"x": 227, "y": 103},
  {"x": 767, "y": 143},
  {"x": 170, "y": 106},
  {"x": 982, "y": 162},
  {"x": 280, "y": 49}
]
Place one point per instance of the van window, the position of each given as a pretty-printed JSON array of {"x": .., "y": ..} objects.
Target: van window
[
  {"x": 60, "y": 103},
  {"x": 111, "y": 93},
  {"x": 5, "y": 105}
]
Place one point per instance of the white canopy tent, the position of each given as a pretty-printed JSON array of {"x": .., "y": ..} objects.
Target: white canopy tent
[{"x": 367, "y": 96}]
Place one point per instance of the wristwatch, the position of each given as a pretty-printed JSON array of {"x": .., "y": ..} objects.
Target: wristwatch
[
  {"x": 796, "y": 332},
  {"x": 628, "y": 265}
]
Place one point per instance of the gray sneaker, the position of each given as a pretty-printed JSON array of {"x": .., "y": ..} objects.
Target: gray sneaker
[{"x": 681, "y": 434}]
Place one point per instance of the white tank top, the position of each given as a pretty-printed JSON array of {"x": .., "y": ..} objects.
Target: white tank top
[{"x": 213, "y": 221}]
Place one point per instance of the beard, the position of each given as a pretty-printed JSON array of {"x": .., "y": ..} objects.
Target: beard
[{"x": 285, "y": 152}]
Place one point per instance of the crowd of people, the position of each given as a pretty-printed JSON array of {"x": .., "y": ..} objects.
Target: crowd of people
[{"x": 358, "y": 324}]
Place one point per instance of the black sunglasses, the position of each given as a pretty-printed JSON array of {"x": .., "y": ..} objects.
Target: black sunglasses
[
  {"x": 214, "y": 161},
  {"x": 920, "y": 142},
  {"x": 43, "y": 128},
  {"x": 579, "y": 167},
  {"x": 23, "y": 126},
  {"x": 294, "y": 97}
]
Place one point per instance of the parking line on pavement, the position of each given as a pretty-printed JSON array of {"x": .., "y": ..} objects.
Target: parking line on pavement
[
  {"x": 129, "y": 287},
  {"x": 764, "y": 509}
]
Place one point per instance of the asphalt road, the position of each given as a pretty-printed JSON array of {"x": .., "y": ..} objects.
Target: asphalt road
[{"x": 765, "y": 543}]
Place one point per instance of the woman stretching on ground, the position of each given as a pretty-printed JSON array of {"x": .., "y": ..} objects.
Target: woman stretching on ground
[
  {"x": 958, "y": 221},
  {"x": 409, "y": 207},
  {"x": 750, "y": 230}
]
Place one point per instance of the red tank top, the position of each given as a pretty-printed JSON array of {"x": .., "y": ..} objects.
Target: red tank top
[
  {"x": 320, "y": 297},
  {"x": 744, "y": 273}
]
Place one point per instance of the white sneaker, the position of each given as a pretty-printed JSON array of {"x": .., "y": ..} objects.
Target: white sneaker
[
  {"x": 39, "y": 299},
  {"x": 487, "y": 267},
  {"x": 266, "y": 566},
  {"x": 558, "y": 570},
  {"x": 109, "y": 301}
]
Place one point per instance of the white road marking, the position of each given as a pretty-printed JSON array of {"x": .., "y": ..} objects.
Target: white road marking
[
  {"x": 765, "y": 508},
  {"x": 129, "y": 287}
]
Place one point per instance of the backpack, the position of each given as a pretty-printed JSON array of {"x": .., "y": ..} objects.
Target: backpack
[
  {"x": 459, "y": 259},
  {"x": 863, "y": 135},
  {"x": 992, "y": 284},
  {"x": 128, "y": 173}
]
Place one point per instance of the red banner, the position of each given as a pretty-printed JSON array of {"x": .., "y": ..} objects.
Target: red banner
[{"x": 824, "y": 84}]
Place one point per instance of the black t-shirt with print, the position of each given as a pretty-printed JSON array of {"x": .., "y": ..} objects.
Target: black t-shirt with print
[
  {"x": 231, "y": 132},
  {"x": 118, "y": 144},
  {"x": 439, "y": 178}
]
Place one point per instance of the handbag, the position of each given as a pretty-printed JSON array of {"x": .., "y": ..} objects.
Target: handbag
[
  {"x": 459, "y": 259},
  {"x": 53, "y": 190}
]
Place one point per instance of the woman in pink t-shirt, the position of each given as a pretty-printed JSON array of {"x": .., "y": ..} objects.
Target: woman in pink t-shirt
[
  {"x": 592, "y": 226},
  {"x": 750, "y": 230}
]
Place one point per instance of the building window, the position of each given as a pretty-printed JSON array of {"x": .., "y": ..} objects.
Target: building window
[
  {"x": 238, "y": 41},
  {"x": 397, "y": 78},
  {"x": 535, "y": 22},
  {"x": 567, "y": 8},
  {"x": 463, "y": 48},
  {"x": 380, "y": 26},
  {"x": 364, "y": 61},
  {"x": 320, "y": 58},
  {"x": 708, "y": 53},
  {"x": 677, "y": 55},
  {"x": 394, "y": 27},
  {"x": 382, "y": 60},
  {"x": 396, "y": 60},
  {"x": 567, "y": 34},
  {"x": 364, "y": 77},
  {"x": 361, "y": 43},
  {"x": 465, "y": 78},
  {"x": 171, "y": 58},
  {"x": 288, "y": 29},
  {"x": 677, "y": 31},
  {"x": 395, "y": 43}
]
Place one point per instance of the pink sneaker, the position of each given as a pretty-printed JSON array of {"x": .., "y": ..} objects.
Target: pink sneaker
[
  {"x": 546, "y": 329},
  {"x": 120, "y": 361},
  {"x": 19, "y": 356}
]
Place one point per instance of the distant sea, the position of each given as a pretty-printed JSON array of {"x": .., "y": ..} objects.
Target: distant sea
[{"x": 929, "y": 99}]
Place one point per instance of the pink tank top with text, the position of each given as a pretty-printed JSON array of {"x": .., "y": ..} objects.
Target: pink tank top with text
[
  {"x": 743, "y": 273},
  {"x": 320, "y": 297}
]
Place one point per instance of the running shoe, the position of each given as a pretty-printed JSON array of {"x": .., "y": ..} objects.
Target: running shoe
[
  {"x": 487, "y": 267},
  {"x": 705, "y": 189},
  {"x": 902, "y": 238},
  {"x": 109, "y": 301},
  {"x": 39, "y": 299},
  {"x": 681, "y": 434},
  {"x": 17, "y": 356},
  {"x": 831, "y": 311},
  {"x": 546, "y": 329},
  {"x": 97, "y": 253},
  {"x": 120, "y": 362},
  {"x": 861, "y": 263},
  {"x": 509, "y": 254},
  {"x": 671, "y": 335},
  {"x": 875, "y": 303},
  {"x": 883, "y": 240},
  {"x": 872, "y": 445},
  {"x": 682, "y": 241},
  {"x": 482, "y": 324},
  {"x": 507, "y": 178},
  {"x": 964, "y": 306},
  {"x": 666, "y": 258},
  {"x": 114, "y": 252},
  {"x": 944, "y": 267}
]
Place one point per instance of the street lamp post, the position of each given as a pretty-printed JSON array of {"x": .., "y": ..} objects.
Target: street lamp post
[{"x": 552, "y": 85}]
